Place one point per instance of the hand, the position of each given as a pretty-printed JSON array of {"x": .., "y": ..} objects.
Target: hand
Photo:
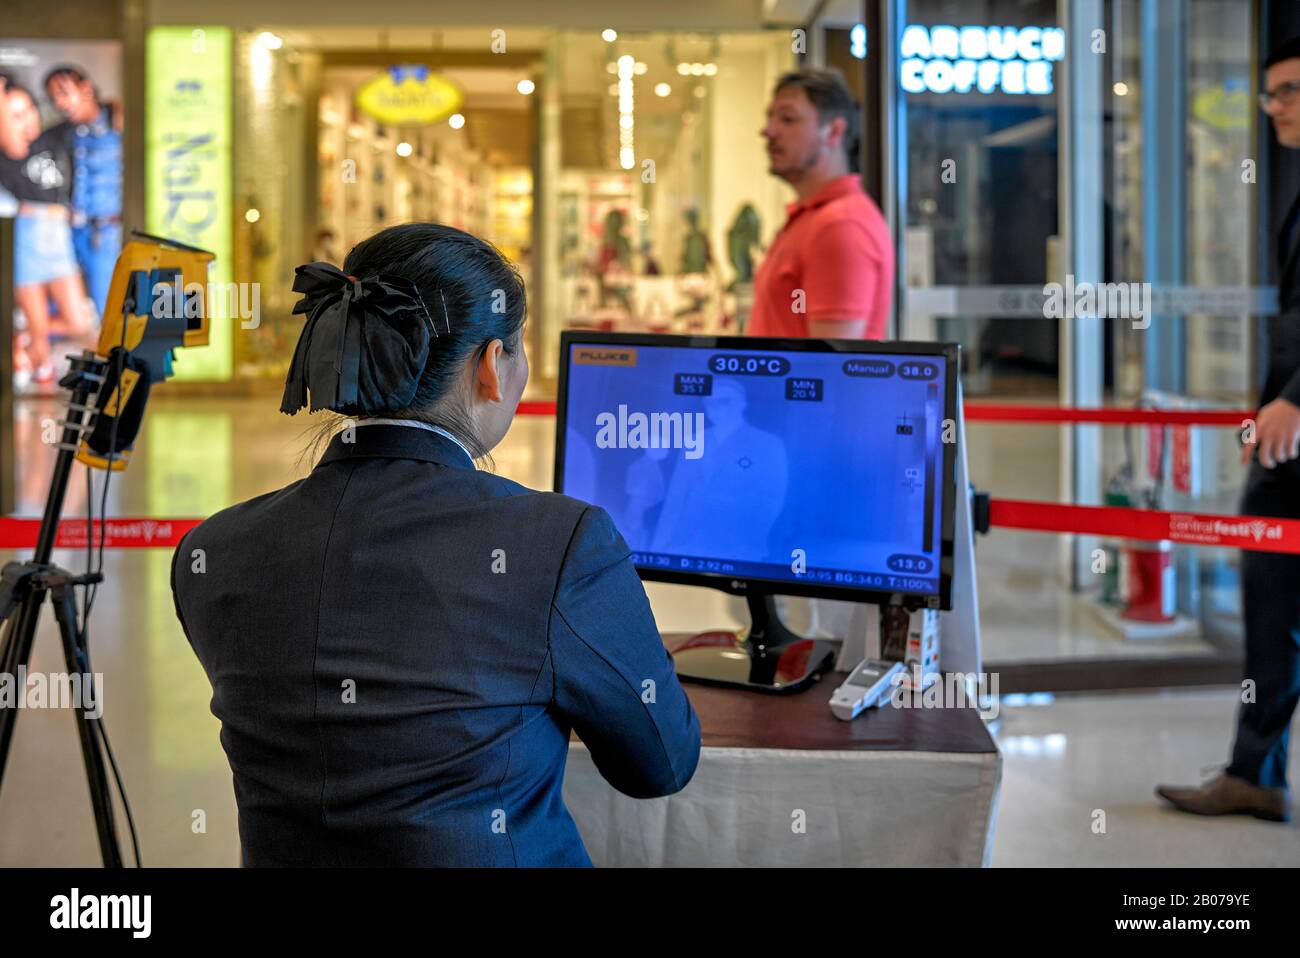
[{"x": 1277, "y": 434}]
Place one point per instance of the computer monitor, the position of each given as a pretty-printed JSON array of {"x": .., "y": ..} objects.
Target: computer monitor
[{"x": 768, "y": 466}]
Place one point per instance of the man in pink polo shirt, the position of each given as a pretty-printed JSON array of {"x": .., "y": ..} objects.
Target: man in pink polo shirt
[{"x": 830, "y": 271}]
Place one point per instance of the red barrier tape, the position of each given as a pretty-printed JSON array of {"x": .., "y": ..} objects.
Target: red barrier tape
[
  {"x": 141, "y": 533},
  {"x": 540, "y": 408},
  {"x": 1010, "y": 412},
  {"x": 1007, "y": 412},
  {"x": 1255, "y": 533},
  {"x": 1244, "y": 532}
]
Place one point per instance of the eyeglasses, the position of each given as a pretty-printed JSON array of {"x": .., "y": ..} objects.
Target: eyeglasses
[{"x": 1283, "y": 93}]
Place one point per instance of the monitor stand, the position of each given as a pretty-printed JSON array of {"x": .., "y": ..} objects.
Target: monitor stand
[{"x": 766, "y": 657}]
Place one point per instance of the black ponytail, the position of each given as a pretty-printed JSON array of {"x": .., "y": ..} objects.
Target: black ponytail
[{"x": 473, "y": 295}]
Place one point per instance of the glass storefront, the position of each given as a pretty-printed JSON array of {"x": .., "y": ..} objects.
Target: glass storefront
[
  {"x": 623, "y": 172},
  {"x": 664, "y": 216},
  {"x": 980, "y": 177},
  {"x": 1179, "y": 213},
  {"x": 1089, "y": 143}
]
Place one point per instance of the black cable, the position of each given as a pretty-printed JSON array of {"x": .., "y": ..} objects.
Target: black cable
[
  {"x": 99, "y": 724},
  {"x": 90, "y": 530},
  {"x": 91, "y": 588},
  {"x": 117, "y": 777},
  {"x": 108, "y": 472}
]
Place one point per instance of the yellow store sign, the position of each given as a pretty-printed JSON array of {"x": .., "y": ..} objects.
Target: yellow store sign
[
  {"x": 409, "y": 96},
  {"x": 1222, "y": 108},
  {"x": 187, "y": 166}
]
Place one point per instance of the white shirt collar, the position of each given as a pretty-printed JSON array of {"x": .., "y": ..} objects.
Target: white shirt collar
[{"x": 380, "y": 421}]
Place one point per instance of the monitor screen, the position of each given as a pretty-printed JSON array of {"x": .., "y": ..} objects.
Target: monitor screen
[{"x": 807, "y": 467}]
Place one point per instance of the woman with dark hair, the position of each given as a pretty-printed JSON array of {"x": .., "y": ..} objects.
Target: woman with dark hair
[{"x": 400, "y": 644}]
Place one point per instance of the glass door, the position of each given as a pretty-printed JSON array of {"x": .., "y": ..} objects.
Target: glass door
[{"x": 1089, "y": 144}]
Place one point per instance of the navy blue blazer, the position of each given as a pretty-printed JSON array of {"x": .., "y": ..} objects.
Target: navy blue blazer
[{"x": 399, "y": 645}]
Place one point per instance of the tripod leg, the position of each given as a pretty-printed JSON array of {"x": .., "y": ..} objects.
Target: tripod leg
[
  {"x": 15, "y": 652},
  {"x": 65, "y": 610}
]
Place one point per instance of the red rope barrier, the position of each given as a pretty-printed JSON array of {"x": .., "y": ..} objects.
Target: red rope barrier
[
  {"x": 1255, "y": 533},
  {"x": 1243, "y": 532},
  {"x": 536, "y": 408},
  {"x": 137, "y": 533},
  {"x": 1008, "y": 412}
]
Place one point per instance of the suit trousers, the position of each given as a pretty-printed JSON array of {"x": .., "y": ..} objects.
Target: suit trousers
[{"x": 1270, "y": 599}]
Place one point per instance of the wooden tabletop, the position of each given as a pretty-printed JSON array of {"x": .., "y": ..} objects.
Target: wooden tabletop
[{"x": 738, "y": 718}]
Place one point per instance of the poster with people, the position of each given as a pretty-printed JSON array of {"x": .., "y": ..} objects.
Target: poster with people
[{"x": 61, "y": 181}]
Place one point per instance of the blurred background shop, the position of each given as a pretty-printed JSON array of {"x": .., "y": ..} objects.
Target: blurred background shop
[{"x": 613, "y": 152}]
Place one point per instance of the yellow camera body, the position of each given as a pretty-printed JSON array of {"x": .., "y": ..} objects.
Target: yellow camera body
[{"x": 151, "y": 310}]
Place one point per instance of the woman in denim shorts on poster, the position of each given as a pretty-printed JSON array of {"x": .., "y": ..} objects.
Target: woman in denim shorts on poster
[{"x": 36, "y": 169}]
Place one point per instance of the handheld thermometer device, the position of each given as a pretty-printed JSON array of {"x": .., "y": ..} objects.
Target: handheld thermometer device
[{"x": 867, "y": 686}]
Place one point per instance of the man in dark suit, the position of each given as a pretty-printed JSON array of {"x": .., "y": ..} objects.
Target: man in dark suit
[
  {"x": 1255, "y": 781},
  {"x": 399, "y": 646}
]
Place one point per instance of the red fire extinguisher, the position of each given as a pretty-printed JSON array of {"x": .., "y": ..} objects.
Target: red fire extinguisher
[{"x": 1146, "y": 578}]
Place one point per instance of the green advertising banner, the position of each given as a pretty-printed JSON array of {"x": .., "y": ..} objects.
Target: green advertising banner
[{"x": 187, "y": 169}]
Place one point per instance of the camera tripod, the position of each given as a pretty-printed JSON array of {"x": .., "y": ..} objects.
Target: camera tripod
[{"x": 23, "y": 588}]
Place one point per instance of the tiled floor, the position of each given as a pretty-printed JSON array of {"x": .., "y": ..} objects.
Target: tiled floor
[{"x": 1063, "y": 761}]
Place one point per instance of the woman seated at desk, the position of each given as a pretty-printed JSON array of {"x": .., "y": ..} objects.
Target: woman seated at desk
[{"x": 400, "y": 644}]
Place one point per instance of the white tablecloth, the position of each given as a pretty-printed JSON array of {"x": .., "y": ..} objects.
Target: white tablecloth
[{"x": 742, "y": 808}]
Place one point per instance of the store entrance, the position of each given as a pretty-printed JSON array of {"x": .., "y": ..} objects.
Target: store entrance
[
  {"x": 472, "y": 170},
  {"x": 342, "y": 132}
]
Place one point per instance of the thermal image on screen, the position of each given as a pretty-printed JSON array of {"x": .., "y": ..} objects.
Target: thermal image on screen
[{"x": 815, "y": 467}]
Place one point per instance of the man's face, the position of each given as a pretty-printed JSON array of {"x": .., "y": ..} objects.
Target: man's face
[
  {"x": 796, "y": 139},
  {"x": 20, "y": 124},
  {"x": 1284, "y": 110},
  {"x": 726, "y": 407},
  {"x": 75, "y": 100}
]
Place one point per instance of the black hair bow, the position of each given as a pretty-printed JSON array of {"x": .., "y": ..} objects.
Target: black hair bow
[{"x": 364, "y": 344}]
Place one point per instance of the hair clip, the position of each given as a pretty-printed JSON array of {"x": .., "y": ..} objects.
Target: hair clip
[{"x": 445, "y": 317}]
